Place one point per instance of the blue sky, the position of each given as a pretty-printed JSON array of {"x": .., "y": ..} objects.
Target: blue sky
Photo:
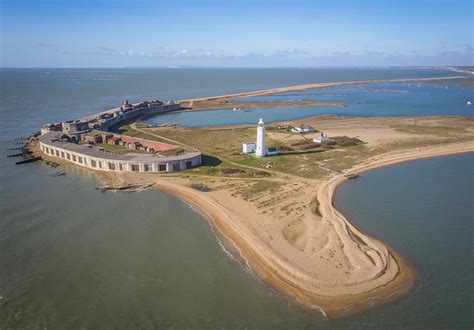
[{"x": 117, "y": 33}]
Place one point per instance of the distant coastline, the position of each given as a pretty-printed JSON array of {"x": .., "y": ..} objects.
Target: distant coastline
[{"x": 318, "y": 85}]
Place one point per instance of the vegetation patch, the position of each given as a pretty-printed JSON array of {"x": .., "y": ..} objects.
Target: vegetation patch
[
  {"x": 345, "y": 141},
  {"x": 201, "y": 187},
  {"x": 230, "y": 171},
  {"x": 437, "y": 130},
  {"x": 315, "y": 208}
]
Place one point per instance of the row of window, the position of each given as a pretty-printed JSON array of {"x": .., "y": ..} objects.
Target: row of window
[{"x": 111, "y": 166}]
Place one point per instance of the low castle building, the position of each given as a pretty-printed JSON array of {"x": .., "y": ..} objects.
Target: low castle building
[
  {"x": 56, "y": 144},
  {"x": 74, "y": 128},
  {"x": 60, "y": 140}
]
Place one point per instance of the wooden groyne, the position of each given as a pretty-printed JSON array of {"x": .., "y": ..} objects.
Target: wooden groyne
[
  {"x": 28, "y": 160},
  {"x": 22, "y": 151}
]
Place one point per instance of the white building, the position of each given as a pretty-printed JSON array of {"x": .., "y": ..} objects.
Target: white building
[
  {"x": 323, "y": 139},
  {"x": 248, "y": 148},
  {"x": 261, "y": 147},
  {"x": 303, "y": 129}
]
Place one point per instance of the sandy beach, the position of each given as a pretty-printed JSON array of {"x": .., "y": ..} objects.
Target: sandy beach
[
  {"x": 286, "y": 227},
  {"x": 377, "y": 272}
]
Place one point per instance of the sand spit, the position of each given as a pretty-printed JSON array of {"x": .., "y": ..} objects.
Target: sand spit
[
  {"x": 378, "y": 274},
  {"x": 312, "y": 86}
]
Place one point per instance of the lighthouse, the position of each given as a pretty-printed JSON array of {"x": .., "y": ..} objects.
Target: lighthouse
[{"x": 261, "y": 148}]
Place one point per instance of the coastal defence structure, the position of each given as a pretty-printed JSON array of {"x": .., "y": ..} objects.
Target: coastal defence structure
[
  {"x": 69, "y": 140},
  {"x": 56, "y": 145},
  {"x": 106, "y": 119}
]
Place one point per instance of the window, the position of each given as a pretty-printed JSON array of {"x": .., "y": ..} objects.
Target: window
[
  {"x": 100, "y": 164},
  {"x": 162, "y": 167},
  {"x": 62, "y": 154},
  {"x": 93, "y": 163},
  {"x": 145, "y": 168},
  {"x": 135, "y": 168},
  {"x": 57, "y": 153},
  {"x": 120, "y": 167},
  {"x": 80, "y": 159},
  {"x": 189, "y": 164},
  {"x": 47, "y": 150},
  {"x": 73, "y": 158},
  {"x": 111, "y": 166},
  {"x": 176, "y": 167},
  {"x": 68, "y": 156}
]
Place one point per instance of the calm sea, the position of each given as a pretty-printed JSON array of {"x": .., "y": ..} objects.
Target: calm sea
[
  {"x": 381, "y": 99},
  {"x": 73, "y": 257}
]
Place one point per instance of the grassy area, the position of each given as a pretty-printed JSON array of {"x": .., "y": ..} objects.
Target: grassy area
[
  {"x": 430, "y": 130},
  {"x": 302, "y": 158},
  {"x": 215, "y": 167},
  {"x": 258, "y": 188},
  {"x": 117, "y": 149},
  {"x": 126, "y": 129}
]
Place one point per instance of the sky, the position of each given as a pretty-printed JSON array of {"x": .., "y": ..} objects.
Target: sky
[{"x": 233, "y": 33}]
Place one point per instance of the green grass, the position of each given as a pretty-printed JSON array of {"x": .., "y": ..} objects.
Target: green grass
[
  {"x": 125, "y": 129},
  {"x": 120, "y": 150},
  {"x": 302, "y": 159}
]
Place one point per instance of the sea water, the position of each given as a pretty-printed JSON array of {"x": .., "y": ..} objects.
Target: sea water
[
  {"x": 380, "y": 99},
  {"x": 424, "y": 209},
  {"x": 74, "y": 257}
]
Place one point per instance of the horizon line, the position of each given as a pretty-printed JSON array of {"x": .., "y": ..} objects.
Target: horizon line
[{"x": 239, "y": 67}]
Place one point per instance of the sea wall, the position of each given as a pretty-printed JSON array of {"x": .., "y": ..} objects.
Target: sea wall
[{"x": 104, "y": 161}]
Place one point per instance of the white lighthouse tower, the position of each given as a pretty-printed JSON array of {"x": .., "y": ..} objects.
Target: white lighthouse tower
[{"x": 261, "y": 149}]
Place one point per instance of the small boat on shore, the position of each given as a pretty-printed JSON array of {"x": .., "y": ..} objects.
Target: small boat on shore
[
  {"x": 240, "y": 110},
  {"x": 162, "y": 125}
]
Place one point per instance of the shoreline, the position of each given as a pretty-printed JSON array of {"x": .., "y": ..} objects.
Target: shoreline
[
  {"x": 338, "y": 306},
  {"x": 378, "y": 273},
  {"x": 313, "y": 86}
]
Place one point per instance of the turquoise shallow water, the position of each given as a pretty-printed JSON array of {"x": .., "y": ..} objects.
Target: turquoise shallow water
[{"x": 73, "y": 257}]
